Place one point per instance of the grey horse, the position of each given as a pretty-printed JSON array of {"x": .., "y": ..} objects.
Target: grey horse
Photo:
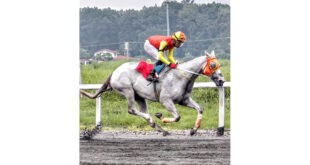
[{"x": 174, "y": 87}]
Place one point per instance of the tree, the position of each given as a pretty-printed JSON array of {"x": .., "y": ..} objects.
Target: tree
[
  {"x": 84, "y": 54},
  {"x": 207, "y": 27},
  {"x": 188, "y": 1}
]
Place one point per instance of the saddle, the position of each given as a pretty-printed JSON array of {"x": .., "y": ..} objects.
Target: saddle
[{"x": 144, "y": 68}]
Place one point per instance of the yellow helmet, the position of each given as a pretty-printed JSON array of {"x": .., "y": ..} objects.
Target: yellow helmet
[{"x": 180, "y": 36}]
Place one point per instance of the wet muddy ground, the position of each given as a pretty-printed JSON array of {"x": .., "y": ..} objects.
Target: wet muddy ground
[{"x": 127, "y": 147}]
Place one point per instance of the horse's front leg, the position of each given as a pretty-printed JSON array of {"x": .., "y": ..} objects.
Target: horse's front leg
[{"x": 192, "y": 104}]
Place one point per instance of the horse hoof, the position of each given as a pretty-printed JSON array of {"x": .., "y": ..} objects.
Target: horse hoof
[
  {"x": 165, "y": 133},
  {"x": 86, "y": 135},
  {"x": 220, "y": 131},
  {"x": 192, "y": 132},
  {"x": 152, "y": 125},
  {"x": 158, "y": 115}
]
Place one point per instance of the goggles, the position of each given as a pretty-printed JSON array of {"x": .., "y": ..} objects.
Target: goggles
[{"x": 178, "y": 43}]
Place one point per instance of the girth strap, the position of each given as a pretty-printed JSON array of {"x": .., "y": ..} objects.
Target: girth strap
[{"x": 155, "y": 91}]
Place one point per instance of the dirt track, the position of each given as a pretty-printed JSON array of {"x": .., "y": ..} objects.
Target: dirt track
[{"x": 125, "y": 147}]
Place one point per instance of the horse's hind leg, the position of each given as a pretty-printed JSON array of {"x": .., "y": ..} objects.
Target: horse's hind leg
[
  {"x": 168, "y": 104},
  {"x": 131, "y": 98},
  {"x": 143, "y": 108}
]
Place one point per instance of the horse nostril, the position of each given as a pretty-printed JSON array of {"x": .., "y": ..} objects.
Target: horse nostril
[{"x": 221, "y": 82}]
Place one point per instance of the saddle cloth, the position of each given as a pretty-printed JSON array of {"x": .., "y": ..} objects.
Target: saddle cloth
[{"x": 144, "y": 68}]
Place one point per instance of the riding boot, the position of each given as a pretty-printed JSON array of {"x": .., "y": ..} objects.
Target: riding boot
[{"x": 152, "y": 76}]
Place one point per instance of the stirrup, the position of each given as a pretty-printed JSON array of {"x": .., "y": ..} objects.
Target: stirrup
[
  {"x": 152, "y": 78},
  {"x": 155, "y": 80}
]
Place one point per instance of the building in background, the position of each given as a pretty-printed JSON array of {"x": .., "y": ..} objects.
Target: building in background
[{"x": 105, "y": 55}]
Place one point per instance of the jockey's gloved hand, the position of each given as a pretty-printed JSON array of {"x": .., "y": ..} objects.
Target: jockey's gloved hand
[{"x": 172, "y": 65}]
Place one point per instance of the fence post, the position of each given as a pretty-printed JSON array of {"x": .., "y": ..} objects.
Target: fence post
[
  {"x": 98, "y": 111},
  {"x": 220, "y": 130}
]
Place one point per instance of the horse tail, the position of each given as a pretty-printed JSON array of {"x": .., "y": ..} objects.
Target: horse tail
[{"x": 105, "y": 87}]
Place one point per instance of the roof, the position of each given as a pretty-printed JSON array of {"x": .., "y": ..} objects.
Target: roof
[{"x": 108, "y": 50}]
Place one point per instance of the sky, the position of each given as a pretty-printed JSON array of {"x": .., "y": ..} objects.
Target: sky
[{"x": 134, "y": 4}]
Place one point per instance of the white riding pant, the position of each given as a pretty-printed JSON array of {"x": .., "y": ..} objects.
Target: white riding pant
[{"x": 150, "y": 49}]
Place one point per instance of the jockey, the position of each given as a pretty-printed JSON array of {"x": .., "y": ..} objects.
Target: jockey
[{"x": 156, "y": 45}]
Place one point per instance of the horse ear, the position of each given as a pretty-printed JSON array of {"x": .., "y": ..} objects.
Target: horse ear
[
  {"x": 212, "y": 53},
  {"x": 207, "y": 54}
]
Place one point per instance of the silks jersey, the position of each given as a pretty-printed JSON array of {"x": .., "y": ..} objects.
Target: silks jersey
[{"x": 163, "y": 43}]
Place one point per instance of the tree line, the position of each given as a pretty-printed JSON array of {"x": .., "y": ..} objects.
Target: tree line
[{"x": 207, "y": 27}]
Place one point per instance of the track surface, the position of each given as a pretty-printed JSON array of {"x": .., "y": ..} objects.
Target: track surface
[{"x": 124, "y": 147}]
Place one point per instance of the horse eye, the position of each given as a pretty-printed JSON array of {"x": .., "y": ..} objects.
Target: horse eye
[{"x": 212, "y": 65}]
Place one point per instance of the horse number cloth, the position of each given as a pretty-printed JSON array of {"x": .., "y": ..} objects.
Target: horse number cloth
[{"x": 144, "y": 68}]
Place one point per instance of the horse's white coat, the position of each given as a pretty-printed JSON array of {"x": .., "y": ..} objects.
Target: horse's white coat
[{"x": 173, "y": 88}]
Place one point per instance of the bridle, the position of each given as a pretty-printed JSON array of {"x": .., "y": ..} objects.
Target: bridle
[{"x": 211, "y": 66}]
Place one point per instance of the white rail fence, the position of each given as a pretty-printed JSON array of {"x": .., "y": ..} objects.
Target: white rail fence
[{"x": 196, "y": 85}]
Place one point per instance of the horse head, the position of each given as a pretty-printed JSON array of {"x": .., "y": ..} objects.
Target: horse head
[{"x": 212, "y": 69}]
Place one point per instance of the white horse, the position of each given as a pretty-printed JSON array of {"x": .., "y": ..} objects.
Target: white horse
[{"x": 174, "y": 87}]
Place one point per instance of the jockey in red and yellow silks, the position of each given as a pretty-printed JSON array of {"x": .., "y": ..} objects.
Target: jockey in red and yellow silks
[
  {"x": 162, "y": 43},
  {"x": 156, "y": 45}
]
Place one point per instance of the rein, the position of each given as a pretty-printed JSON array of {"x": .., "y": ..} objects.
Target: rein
[
  {"x": 188, "y": 71},
  {"x": 182, "y": 73}
]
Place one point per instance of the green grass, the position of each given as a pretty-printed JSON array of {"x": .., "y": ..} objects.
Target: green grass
[
  {"x": 114, "y": 106},
  {"x": 97, "y": 73}
]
